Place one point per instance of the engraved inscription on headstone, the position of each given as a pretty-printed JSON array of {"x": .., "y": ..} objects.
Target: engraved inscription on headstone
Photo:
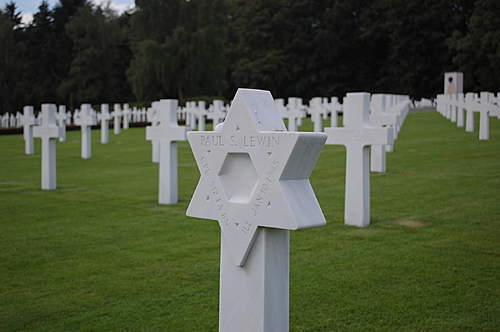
[{"x": 254, "y": 182}]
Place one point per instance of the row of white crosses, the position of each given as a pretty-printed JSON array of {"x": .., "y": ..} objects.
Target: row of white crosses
[
  {"x": 455, "y": 106},
  {"x": 11, "y": 120},
  {"x": 195, "y": 114},
  {"x": 319, "y": 109},
  {"x": 122, "y": 117},
  {"x": 423, "y": 102},
  {"x": 52, "y": 127},
  {"x": 382, "y": 114}
]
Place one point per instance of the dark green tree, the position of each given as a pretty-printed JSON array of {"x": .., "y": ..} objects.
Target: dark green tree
[
  {"x": 476, "y": 51},
  {"x": 179, "y": 49},
  {"x": 11, "y": 64},
  {"x": 97, "y": 70}
]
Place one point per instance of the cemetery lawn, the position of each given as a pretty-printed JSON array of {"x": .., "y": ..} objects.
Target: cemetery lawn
[{"x": 99, "y": 254}]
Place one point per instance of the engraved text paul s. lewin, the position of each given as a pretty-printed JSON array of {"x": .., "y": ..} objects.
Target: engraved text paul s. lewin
[{"x": 262, "y": 191}]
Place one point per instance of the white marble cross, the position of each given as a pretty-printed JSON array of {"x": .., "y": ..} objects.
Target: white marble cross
[
  {"x": 48, "y": 131},
  {"x": 19, "y": 117},
  {"x": 104, "y": 117},
  {"x": 399, "y": 109},
  {"x": 135, "y": 114},
  {"x": 117, "y": 115},
  {"x": 188, "y": 111},
  {"x": 326, "y": 110},
  {"x": 126, "y": 116},
  {"x": 295, "y": 104},
  {"x": 61, "y": 122},
  {"x": 86, "y": 120},
  {"x": 335, "y": 108},
  {"x": 452, "y": 107},
  {"x": 254, "y": 182},
  {"x": 69, "y": 116},
  {"x": 317, "y": 113},
  {"x": 357, "y": 135},
  {"x": 217, "y": 114},
  {"x": 293, "y": 115},
  {"x": 473, "y": 104},
  {"x": 380, "y": 118},
  {"x": 484, "y": 115},
  {"x": 167, "y": 133},
  {"x": 4, "y": 120},
  {"x": 459, "y": 100},
  {"x": 496, "y": 102},
  {"x": 13, "y": 121},
  {"x": 28, "y": 123},
  {"x": 201, "y": 114}
]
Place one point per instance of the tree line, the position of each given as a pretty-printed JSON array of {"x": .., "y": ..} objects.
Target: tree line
[{"x": 78, "y": 52}]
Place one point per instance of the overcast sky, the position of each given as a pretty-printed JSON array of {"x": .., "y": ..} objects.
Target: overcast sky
[{"x": 28, "y": 7}]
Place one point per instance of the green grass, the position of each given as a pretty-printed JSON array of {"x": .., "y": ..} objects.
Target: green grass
[{"x": 99, "y": 254}]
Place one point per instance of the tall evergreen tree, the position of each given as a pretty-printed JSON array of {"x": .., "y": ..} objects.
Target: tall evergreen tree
[
  {"x": 11, "y": 65},
  {"x": 96, "y": 72}
]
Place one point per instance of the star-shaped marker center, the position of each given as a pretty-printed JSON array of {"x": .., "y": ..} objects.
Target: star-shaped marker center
[{"x": 254, "y": 173}]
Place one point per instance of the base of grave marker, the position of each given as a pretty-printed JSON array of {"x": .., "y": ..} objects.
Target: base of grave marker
[
  {"x": 86, "y": 142},
  {"x": 264, "y": 279},
  {"x": 378, "y": 158},
  {"x": 167, "y": 191},
  {"x": 155, "y": 147},
  {"x": 48, "y": 164},
  {"x": 469, "y": 121},
  {"x": 357, "y": 193}
]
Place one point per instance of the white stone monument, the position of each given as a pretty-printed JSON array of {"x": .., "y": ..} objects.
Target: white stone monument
[
  {"x": 117, "y": 115},
  {"x": 28, "y": 123},
  {"x": 254, "y": 182},
  {"x": 357, "y": 135},
  {"x": 104, "y": 117},
  {"x": 86, "y": 120},
  {"x": 48, "y": 132},
  {"x": 453, "y": 82},
  {"x": 167, "y": 133}
]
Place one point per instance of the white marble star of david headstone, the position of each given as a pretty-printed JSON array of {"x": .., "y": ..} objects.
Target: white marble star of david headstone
[{"x": 254, "y": 173}]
